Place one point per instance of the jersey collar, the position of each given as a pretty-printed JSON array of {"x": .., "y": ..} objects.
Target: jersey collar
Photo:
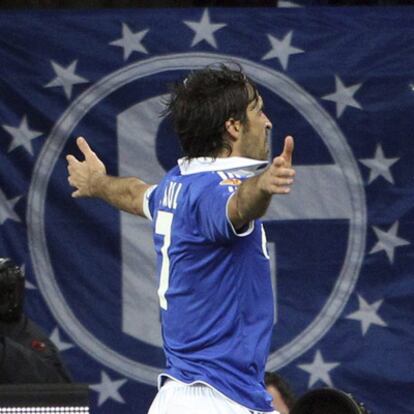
[{"x": 206, "y": 164}]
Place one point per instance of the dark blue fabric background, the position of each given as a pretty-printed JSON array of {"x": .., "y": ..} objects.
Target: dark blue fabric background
[{"x": 371, "y": 47}]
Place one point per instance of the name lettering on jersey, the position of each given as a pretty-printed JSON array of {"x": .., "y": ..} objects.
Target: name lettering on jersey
[
  {"x": 231, "y": 181},
  {"x": 170, "y": 197}
]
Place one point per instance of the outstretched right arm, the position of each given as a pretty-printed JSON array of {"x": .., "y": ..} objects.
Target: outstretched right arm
[
  {"x": 253, "y": 197},
  {"x": 89, "y": 178}
]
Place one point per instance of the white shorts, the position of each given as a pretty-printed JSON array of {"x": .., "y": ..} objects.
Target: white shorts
[{"x": 178, "y": 398}]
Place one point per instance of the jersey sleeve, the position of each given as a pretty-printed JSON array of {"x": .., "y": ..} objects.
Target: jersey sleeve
[
  {"x": 148, "y": 202},
  {"x": 212, "y": 214}
]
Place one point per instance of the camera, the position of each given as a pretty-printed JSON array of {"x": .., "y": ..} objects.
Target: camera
[{"x": 11, "y": 291}]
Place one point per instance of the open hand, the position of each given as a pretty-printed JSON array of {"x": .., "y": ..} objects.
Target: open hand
[{"x": 83, "y": 173}]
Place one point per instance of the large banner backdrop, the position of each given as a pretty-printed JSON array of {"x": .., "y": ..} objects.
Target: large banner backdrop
[{"x": 341, "y": 81}]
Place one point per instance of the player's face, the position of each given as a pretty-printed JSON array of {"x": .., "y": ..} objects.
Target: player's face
[
  {"x": 277, "y": 402},
  {"x": 254, "y": 138}
]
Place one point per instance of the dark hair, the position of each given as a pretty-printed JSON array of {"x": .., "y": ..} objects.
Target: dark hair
[
  {"x": 328, "y": 401},
  {"x": 274, "y": 379},
  {"x": 200, "y": 105}
]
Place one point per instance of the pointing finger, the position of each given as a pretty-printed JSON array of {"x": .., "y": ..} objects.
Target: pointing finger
[
  {"x": 84, "y": 147},
  {"x": 288, "y": 150}
]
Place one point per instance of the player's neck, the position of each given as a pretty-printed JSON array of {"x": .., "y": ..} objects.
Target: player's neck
[{"x": 233, "y": 151}]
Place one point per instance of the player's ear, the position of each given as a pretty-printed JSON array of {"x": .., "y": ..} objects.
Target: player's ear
[{"x": 233, "y": 128}]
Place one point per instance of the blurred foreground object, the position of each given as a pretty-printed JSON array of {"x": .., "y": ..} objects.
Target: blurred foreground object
[
  {"x": 327, "y": 401},
  {"x": 27, "y": 355},
  {"x": 41, "y": 398}
]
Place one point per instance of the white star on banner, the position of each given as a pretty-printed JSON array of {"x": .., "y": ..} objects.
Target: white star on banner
[
  {"x": 204, "y": 29},
  {"x": 108, "y": 389},
  {"x": 57, "y": 340},
  {"x": 30, "y": 286},
  {"x": 22, "y": 136},
  {"x": 388, "y": 241},
  {"x": 27, "y": 284},
  {"x": 343, "y": 96},
  {"x": 66, "y": 77},
  {"x": 319, "y": 370},
  {"x": 281, "y": 49},
  {"x": 286, "y": 3},
  {"x": 367, "y": 314},
  {"x": 7, "y": 208},
  {"x": 379, "y": 165},
  {"x": 131, "y": 42}
]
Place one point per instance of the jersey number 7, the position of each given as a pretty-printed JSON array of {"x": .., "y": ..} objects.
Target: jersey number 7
[{"x": 163, "y": 228}]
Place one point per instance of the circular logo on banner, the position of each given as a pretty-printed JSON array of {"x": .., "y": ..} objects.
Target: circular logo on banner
[{"x": 344, "y": 168}]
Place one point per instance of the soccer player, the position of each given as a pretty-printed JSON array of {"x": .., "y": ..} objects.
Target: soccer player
[{"x": 214, "y": 277}]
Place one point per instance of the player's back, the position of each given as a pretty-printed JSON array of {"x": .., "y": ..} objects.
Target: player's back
[{"x": 214, "y": 287}]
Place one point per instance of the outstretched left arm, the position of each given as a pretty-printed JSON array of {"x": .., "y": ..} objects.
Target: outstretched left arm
[{"x": 89, "y": 178}]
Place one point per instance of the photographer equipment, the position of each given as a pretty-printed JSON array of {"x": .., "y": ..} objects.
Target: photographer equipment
[
  {"x": 11, "y": 291},
  {"x": 327, "y": 401}
]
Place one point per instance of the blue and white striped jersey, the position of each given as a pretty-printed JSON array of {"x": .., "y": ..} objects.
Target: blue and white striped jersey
[{"x": 214, "y": 284}]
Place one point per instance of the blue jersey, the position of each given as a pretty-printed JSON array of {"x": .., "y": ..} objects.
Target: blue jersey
[{"x": 214, "y": 284}]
